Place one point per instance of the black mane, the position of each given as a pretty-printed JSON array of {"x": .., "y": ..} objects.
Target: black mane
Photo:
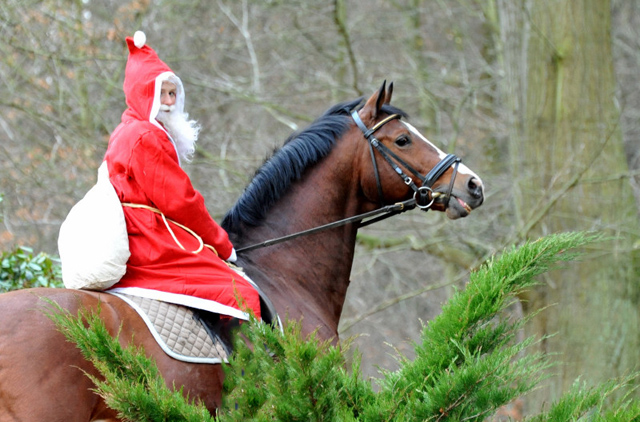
[{"x": 288, "y": 163}]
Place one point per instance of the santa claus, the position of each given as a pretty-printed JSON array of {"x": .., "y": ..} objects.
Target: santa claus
[{"x": 178, "y": 251}]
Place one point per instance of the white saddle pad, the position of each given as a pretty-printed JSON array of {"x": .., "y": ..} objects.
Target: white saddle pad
[{"x": 176, "y": 329}]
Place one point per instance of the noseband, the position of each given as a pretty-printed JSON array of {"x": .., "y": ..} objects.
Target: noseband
[{"x": 423, "y": 195}]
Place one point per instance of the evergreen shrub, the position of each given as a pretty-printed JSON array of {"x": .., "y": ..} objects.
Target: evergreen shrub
[{"x": 468, "y": 363}]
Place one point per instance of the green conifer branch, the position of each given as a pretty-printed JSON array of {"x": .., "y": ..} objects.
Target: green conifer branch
[
  {"x": 132, "y": 384},
  {"x": 281, "y": 376},
  {"x": 595, "y": 403},
  {"x": 464, "y": 353},
  {"x": 467, "y": 364}
]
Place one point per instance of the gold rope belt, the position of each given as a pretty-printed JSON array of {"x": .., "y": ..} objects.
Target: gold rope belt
[{"x": 166, "y": 223}]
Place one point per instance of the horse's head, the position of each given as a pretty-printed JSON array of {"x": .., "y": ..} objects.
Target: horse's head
[{"x": 404, "y": 163}]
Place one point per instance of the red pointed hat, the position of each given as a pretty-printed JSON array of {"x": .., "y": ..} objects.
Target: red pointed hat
[{"x": 143, "y": 79}]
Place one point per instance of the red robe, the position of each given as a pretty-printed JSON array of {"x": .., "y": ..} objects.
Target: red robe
[{"x": 144, "y": 169}]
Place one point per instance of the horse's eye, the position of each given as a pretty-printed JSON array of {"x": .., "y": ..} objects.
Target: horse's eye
[{"x": 403, "y": 141}]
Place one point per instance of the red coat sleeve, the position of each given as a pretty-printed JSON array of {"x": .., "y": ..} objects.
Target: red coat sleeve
[{"x": 155, "y": 167}]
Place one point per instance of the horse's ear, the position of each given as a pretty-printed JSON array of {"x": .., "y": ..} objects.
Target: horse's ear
[
  {"x": 387, "y": 100},
  {"x": 375, "y": 102},
  {"x": 382, "y": 95}
]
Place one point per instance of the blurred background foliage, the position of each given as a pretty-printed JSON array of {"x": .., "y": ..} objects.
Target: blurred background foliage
[
  {"x": 540, "y": 98},
  {"x": 20, "y": 269}
]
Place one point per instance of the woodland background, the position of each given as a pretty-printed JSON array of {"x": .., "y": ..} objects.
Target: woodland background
[{"x": 541, "y": 98}]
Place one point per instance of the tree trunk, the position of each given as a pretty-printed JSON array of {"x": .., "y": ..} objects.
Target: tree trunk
[{"x": 571, "y": 174}]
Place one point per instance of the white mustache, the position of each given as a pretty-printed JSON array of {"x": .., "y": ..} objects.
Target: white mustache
[{"x": 165, "y": 107}]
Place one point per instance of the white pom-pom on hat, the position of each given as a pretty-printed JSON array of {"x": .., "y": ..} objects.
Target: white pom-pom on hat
[{"x": 139, "y": 39}]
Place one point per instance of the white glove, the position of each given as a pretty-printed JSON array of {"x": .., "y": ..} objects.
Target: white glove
[{"x": 233, "y": 257}]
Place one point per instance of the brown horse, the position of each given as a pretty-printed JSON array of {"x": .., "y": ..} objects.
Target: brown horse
[{"x": 344, "y": 164}]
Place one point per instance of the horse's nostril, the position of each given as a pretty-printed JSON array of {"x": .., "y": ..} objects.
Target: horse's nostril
[{"x": 475, "y": 187}]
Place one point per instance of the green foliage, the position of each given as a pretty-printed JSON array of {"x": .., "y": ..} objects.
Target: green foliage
[
  {"x": 279, "y": 376},
  {"x": 22, "y": 269},
  {"x": 591, "y": 403},
  {"x": 467, "y": 365}
]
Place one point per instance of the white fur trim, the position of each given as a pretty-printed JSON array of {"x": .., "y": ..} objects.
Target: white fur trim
[
  {"x": 185, "y": 300},
  {"x": 155, "y": 107},
  {"x": 139, "y": 39}
]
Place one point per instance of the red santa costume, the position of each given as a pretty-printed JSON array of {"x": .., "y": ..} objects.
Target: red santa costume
[{"x": 167, "y": 262}]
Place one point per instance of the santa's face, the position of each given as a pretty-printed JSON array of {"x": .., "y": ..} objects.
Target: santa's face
[
  {"x": 168, "y": 93},
  {"x": 183, "y": 132}
]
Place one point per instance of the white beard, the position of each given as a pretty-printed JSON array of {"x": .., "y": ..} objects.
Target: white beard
[{"x": 183, "y": 132}]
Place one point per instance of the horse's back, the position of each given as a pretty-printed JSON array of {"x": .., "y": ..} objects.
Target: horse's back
[{"x": 43, "y": 376}]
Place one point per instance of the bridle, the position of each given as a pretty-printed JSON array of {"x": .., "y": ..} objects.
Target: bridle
[{"x": 423, "y": 196}]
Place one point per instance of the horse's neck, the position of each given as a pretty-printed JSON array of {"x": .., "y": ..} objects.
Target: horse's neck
[{"x": 308, "y": 276}]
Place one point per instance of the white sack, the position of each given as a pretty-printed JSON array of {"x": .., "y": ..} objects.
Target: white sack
[{"x": 93, "y": 242}]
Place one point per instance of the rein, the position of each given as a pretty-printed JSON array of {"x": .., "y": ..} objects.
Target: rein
[
  {"x": 387, "y": 211},
  {"x": 423, "y": 196}
]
